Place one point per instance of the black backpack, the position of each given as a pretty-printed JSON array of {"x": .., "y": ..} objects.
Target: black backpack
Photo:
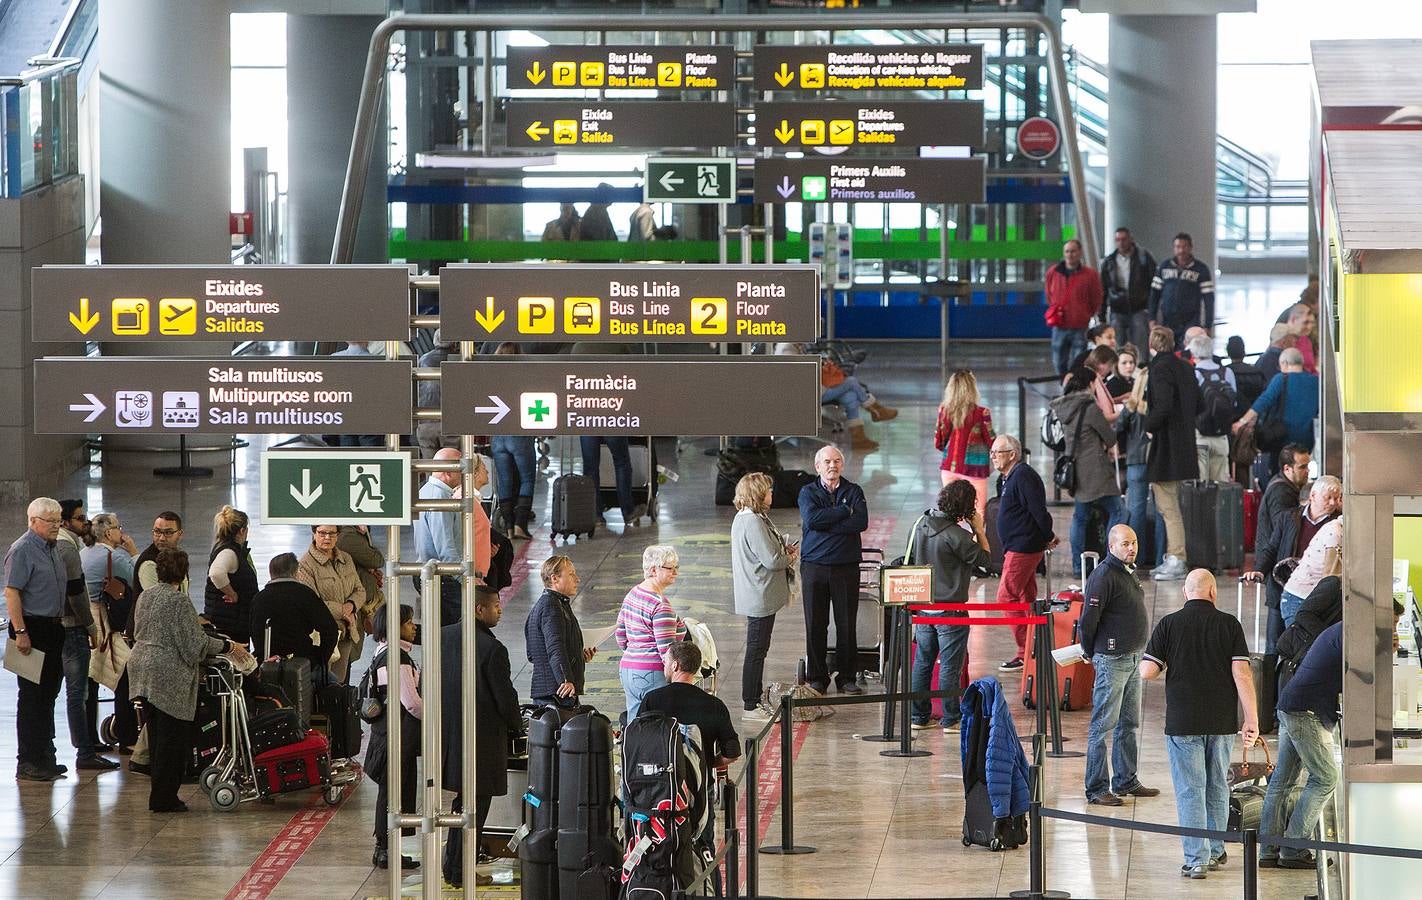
[
  {"x": 666, "y": 789},
  {"x": 1217, "y": 404}
]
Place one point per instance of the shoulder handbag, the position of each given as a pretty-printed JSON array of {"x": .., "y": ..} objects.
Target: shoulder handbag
[
  {"x": 114, "y": 588},
  {"x": 108, "y": 661},
  {"x": 1270, "y": 432},
  {"x": 1246, "y": 771},
  {"x": 370, "y": 707},
  {"x": 1064, "y": 472}
]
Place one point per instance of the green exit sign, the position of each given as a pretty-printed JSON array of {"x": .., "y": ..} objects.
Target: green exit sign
[
  {"x": 705, "y": 180},
  {"x": 336, "y": 487}
]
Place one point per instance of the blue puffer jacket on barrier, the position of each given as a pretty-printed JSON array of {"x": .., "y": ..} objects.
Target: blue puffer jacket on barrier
[{"x": 1006, "y": 763}]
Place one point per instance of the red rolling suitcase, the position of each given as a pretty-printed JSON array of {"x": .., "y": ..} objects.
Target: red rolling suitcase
[
  {"x": 295, "y": 767},
  {"x": 1074, "y": 683},
  {"x": 1251, "y": 518}
]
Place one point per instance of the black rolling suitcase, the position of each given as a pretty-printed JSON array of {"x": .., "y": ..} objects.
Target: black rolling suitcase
[
  {"x": 574, "y": 506},
  {"x": 786, "y": 485},
  {"x": 1264, "y": 667},
  {"x": 292, "y": 675},
  {"x": 336, "y": 717},
  {"x": 274, "y": 728},
  {"x": 1214, "y": 524},
  {"x": 980, "y": 826},
  {"x": 588, "y": 853}
]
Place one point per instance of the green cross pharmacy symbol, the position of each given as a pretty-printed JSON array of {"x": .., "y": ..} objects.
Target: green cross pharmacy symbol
[{"x": 538, "y": 410}]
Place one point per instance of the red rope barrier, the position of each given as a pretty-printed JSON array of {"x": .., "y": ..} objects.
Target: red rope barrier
[
  {"x": 970, "y": 607},
  {"x": 945, "y": 620}
]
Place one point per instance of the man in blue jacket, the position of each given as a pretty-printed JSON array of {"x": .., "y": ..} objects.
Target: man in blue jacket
[
  {"x": 833, "y": 513},
  {"x": 1182, "y": 294},
  {"x": 1024, "y": 526}
]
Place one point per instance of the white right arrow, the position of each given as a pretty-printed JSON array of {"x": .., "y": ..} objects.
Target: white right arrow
[
  {"x": 306, "y": 496},
  {"x": 669, "y": 181},
  {"x": 94, "y": 407},
  {"x": 499, "y": 409}
]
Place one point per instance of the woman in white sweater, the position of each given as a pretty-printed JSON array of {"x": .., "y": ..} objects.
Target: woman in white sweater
[{"x": 761, "y": 560}]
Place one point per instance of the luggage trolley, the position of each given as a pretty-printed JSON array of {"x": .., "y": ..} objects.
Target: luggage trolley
[{"x": 237, "y": 776}]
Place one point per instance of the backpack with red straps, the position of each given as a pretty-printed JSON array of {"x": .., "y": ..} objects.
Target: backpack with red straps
[{"x": 667, "y": 791}]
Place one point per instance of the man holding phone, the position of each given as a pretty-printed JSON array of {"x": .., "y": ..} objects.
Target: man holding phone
[{"x": 554, "y": 639}]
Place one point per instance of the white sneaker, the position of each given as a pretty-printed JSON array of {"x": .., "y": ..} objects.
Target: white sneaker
[
  {"x": 1173, "y": 569},
  {"x": 759, "y": 714}
]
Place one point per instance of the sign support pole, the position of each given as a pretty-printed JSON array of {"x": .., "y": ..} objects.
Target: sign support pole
[{"x": 184, "y": 468}]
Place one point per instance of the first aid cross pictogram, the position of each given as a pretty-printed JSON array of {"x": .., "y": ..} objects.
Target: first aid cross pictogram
[{"x": 538, "y": 410}]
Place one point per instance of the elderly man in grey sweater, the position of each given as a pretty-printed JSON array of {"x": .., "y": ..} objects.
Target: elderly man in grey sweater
[{"x": 761, "y": 560}]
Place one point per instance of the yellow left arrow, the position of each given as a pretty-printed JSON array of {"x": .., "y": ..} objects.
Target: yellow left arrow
[
  {"x": 536, "y": 74},
  {"x": 536, "y": 130},
  {"x": 487, "y": 318},
  {"x": 84, "y": 321}
]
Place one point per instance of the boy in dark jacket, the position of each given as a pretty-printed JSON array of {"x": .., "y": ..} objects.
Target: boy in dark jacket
[{"x": 497, "y": 720}]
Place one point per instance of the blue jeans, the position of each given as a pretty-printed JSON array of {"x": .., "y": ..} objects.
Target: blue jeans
[
  {"x": 1081, "y": 515},
  {"x": 637, "y": 684},
  {"x": 1115, "y": 707},
  {"x": 849, "y": 394},
  {"x": 1304, "y": 745},
  {"x": 1199, "y": 769},
  {"x": 516, "y": 463},
  {"x": 1132, "y": 328},
  {"x": 1137, "y": 510},
  {"x": 1067, "y": 344},
  {"x": 621, "y": 467},
  {"x": 76, "y": 689},
  {"x": 1289, "y": 607},
  {"x": 946, "y": 644}
]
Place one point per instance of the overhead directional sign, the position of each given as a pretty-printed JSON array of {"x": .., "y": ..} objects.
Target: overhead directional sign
[
  {"x": 881, "y": 180},
  {"x": 336, "y": 487},
  {"x": 646, "y": 303},
  {"x": 888, "y": 123},
  {"x": 220, "y": 303},
  {"x": 136, "y": 395},
  {"x": 869, "y": 68},
  {"x": 591, "y": 124},
  {"x": 622, "y": 66},
  {"x": 622, "y": 395},
  {"x": 704, "y": 180}
]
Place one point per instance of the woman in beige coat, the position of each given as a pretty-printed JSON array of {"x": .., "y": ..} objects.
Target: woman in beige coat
[{"x": 333, "y": 575}]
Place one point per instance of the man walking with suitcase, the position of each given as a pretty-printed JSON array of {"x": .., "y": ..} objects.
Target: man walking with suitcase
[
  {"x": 1205, "y": 659},
  {"x": 1024, "y": 526},
  {"x": 1114, "y": 628}
]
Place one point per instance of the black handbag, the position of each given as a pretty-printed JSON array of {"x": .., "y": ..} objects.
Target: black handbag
[
  {"x": 1064, "y": 471},
  {"x": 1271, "y": 433}
]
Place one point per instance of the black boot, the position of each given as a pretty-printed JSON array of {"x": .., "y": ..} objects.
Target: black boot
[
  {"x": 503, "y": 516},
  {"x": 522, "y": 515}
]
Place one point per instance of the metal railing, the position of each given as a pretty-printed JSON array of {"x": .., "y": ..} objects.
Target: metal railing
[{"x": 39, "y": 126}]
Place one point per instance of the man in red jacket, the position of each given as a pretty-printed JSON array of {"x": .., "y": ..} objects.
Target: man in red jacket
[{"x": 1073, "y": 297}]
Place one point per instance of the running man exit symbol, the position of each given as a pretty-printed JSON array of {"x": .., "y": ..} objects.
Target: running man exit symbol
[
  {"x": 365, "y": 492},
  {"x": 538, "y": 410},
  {"x": 707, "y": 181}
]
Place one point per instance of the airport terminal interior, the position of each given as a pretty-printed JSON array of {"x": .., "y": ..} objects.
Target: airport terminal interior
[{"x": 328, "y": 238}]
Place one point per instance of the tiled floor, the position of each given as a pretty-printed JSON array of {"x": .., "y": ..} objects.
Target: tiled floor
[{"x": 883, "y": 827}]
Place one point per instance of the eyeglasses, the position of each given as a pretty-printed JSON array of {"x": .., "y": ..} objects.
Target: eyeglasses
[
  {"x": 165, "y": 532},
  {"x": 999, "y": 453},
  {"x": 671, "y": 568},
  {"x": 326, "y": 533},
  {"x": 47, "y": 521}
]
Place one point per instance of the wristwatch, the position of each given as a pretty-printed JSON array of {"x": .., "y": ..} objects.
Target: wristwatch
[{"x": 20, "y": 631}]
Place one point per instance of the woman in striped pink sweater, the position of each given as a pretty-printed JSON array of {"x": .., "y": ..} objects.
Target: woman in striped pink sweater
[{"x": 646, "y": 626}]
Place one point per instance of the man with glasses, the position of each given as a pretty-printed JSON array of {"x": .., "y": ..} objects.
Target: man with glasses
[
  {"x": 1024, "y": 527},
  {"x": 167, "y": 535},
  {"x": 81, "y": 635},
  {"x": 35, "y": 590},
  {"x": 332, "y": 574}
]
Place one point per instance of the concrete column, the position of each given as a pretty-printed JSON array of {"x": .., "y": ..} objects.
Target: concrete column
[
  {"x": 165, "y": 159},
  {"x": 165, "y": 123},
  {"x": 1160, "y": 173},
  {"x": 325, "y": 60}
]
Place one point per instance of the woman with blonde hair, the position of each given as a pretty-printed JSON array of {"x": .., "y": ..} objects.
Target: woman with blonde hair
[
  {"x": 761, "y": 561},
  {"x": 231, "y": 577},
  {"x": 964, "y": 434}
]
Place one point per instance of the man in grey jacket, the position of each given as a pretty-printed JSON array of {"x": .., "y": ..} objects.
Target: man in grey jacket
[
  {"x": 80, "y": 637},
  {"x": 941, "y": 540}
]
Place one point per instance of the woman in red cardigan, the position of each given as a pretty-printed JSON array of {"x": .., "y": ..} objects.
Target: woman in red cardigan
[{"x": 964, "y": 434}]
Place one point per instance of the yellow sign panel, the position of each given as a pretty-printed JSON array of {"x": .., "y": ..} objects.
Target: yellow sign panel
[
  {"x": 565, "y": 74},
  {"x": 565, "y": 131},
  {"x": 592, "y": 73},
  {"x": 1382, "y": 316},
  {"x": 669, "y": 74},
  {"x": 841, "y": 131},
  {"x": 177, "y": 315},
  {"x": 129, "y": 315},
  {"x": 812, "y": 75},
  {"x": 812, "y": 131},
  {"x": 536, "y": 315},
  {"x": 582, "y": 315},
  {"x": 708, "y": 315}
]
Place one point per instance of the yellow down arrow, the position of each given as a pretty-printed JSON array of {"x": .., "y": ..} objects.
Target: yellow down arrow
[
  {"x": 536, "y": 74},
  {"x": 84, "y": 321},
  {"x": 487, "y": 319},
  {"x": 536, "y": 130},
  {"x": 784, "y": 132},
  {"x": 784, "y": 76}
]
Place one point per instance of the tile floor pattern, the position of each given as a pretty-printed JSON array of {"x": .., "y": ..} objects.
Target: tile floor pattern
[{"x": 883, "y": 827}]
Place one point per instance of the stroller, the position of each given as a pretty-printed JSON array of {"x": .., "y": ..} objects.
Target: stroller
[
  {"x": 995, "y": 787},
  {"x": 243, "y": 771}
]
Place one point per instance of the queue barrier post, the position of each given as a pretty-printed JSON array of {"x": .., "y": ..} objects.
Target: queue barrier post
[
  {"x": 1251, "y": 863},
  {"x": 787, "y": 845},
  {"x": 733, "y": 841},
  {"x": 903, "y": 626},
  {"x": 752, "y": 779}
]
